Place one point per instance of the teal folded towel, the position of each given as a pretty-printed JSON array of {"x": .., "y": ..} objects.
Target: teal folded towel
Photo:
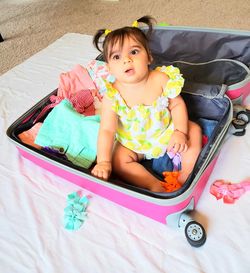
[{"x": 73, "y": 133}]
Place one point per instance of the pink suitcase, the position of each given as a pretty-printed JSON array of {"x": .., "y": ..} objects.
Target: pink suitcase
[{"x": 215, "y": 64}]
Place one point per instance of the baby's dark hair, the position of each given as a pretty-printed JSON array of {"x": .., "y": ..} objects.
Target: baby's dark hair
[{"x": 118, "y": 35}]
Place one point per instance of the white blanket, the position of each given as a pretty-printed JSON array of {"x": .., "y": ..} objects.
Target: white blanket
[{"x": 113, "y": 238}]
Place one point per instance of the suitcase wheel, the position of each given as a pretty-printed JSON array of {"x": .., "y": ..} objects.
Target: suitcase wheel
[
  {"x": 244, "y": 115},
  {"x": 238, "y": 127},
  {"x": 195, "y": 234}
]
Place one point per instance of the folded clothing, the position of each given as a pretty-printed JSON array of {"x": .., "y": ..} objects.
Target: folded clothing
[
  {"x": 29, "y": 136},
  {"x": 99, "y": 72},
  {"x": 169, "y": 162},
  {"x": 73, "y": 81},
  {"x": 207, "y": 126},
  {"x": 76, "y": 134}
]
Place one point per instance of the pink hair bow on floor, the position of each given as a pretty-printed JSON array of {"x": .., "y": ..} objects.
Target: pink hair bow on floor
[{"x": 229, "y": 191}]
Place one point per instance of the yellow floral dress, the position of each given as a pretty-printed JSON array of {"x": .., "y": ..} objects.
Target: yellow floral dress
[{"x": 146, "y": 129}]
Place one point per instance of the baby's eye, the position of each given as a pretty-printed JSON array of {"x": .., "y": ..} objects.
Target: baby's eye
[
  {"x": 116, "y": 57},
  {"x": 134, "y": 51}
]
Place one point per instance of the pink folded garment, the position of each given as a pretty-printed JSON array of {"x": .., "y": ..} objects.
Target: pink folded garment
[
  {"x": 83, "y": 102},
  {"x": 99, "y": 73},
  {"x": 73, "y": 81}
]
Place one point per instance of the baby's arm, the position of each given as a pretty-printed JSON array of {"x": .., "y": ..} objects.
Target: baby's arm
[
  {"x": 105, "y": 142},
  {"x": 178, "y": 110}
]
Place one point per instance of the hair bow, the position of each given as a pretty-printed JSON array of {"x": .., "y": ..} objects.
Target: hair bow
[
  {"x": 75, "y": 212},
  {"x": 107, "y": 31},
  {"x": 135, "y": 24}
]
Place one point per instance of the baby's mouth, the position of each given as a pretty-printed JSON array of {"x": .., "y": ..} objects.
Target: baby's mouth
[{"x": 129, "y": 71}]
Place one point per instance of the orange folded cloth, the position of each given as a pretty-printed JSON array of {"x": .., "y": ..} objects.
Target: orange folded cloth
[
  {"x": 29, "y": 136},
  {"x": 171, "y": 181}
]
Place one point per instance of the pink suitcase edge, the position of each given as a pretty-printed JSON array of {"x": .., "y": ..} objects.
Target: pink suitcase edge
[{"x": 154, "y": 208}]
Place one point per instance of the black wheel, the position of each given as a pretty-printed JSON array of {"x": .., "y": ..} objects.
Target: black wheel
[
  {"x": 195, "y": 234},
  {"x": 238, "y": 127},
  {"x": 239, "y": 123},
  {"x": 243, "y": 115}
]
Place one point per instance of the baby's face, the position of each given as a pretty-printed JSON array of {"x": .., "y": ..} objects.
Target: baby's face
[{"x": 129, "y": 62}]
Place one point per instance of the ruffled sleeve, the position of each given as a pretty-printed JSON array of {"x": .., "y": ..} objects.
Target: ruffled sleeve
[
  {"x": 111, "y": 93},
  {"x": 175, "y": 83}
]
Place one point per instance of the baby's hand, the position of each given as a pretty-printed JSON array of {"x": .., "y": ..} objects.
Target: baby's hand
[
  {"x": 102, "y": 170},
  {"x": 178, "y": 142}
]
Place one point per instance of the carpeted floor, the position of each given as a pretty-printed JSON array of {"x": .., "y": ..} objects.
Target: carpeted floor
[{"x": 30, "y": 25}]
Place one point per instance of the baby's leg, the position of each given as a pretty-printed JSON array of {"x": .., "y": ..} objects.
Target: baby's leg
[
  {"x": 125, "y": 165},
  {"x": 190, "y": 156}
]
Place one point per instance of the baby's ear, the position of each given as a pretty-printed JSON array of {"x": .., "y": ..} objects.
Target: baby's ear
[{"x": 150, "y": 59}]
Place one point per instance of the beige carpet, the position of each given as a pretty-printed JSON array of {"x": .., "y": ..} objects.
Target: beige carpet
[{"x": 31, "y": 25}]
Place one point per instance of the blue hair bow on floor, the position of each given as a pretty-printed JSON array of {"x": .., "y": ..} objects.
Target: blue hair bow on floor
[{"x": 75, "y": 212}]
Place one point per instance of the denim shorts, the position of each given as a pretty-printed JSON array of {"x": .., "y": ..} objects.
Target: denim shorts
[{"x": 162, "y": 164}]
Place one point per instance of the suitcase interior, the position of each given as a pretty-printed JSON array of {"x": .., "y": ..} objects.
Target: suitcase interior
[{"x": 217, "y": 109}]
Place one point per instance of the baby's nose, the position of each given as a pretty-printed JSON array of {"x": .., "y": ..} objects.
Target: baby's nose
[{"x": 126, "y": 60}]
